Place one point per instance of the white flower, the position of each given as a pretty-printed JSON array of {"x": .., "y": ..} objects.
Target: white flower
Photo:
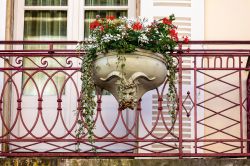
[
  {"x": 143, "y": 38},
  {"x": 108, "y": 37},
  {"x": 123, "y": 34},
  {"x": 90, "y": 46},
  {"x": 117, "y": 37},
  {"x": 147, "y": 29},
  {"x": 92, "y": 38},
  {"x": 121, "y": 28}
]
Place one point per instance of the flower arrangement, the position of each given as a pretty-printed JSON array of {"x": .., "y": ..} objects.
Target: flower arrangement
[{"x": 124, "y": 36}]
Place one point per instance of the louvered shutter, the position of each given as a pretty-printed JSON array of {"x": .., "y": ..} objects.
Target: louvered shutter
[{"x": 190, "y": 21}]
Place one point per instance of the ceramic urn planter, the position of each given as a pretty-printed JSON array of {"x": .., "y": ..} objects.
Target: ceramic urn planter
[{"x": 143, "y": 71}]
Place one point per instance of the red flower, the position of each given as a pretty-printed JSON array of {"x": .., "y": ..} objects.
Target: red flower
[
  {"x": 110, "y": 17},
  {"x": 137, "y": 26},
  {"x": 166, "y": 21},
  {"x": 186, "y": 39},
  {"x": 94, "y": 24},
  {"x": 173, "y": 34}
]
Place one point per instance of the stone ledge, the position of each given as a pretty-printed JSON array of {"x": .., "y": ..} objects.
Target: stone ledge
[{"x": 120, "y": 162}]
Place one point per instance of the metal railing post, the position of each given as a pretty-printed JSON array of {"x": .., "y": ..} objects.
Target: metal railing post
[{"x": 180, "y": 100}]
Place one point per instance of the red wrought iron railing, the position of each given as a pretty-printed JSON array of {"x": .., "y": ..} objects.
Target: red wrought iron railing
[{"x": 40, "y": 96}]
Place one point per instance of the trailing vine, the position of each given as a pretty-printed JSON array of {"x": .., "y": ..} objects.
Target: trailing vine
[
  {"x": 87, "y": 101},
  {"x": 171, "y": 95}
]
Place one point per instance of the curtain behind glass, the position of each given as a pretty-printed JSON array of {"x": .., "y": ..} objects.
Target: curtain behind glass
[
  {"x": 106, "y": 2},
  {"x": 90, "y": 16},
  {"x": 46, "y": 2},
  {"x": 44, "y": 25}
]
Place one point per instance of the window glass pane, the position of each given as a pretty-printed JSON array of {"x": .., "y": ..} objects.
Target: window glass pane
[
  {"x": 106, "y": 2},
  {"x": 44, "y": 25},
  {"x": 91, "y": 15},
  {"x": 46, "y": 2}
]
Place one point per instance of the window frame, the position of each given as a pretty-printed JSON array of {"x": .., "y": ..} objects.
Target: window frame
[
  {"x": 20, "y": 9},
  {"x": 75, "y": 16}
]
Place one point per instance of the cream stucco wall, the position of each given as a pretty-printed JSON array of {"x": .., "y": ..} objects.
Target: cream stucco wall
[{"x": 226, "y": 20}]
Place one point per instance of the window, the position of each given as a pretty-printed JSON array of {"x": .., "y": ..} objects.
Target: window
[
  {"x": 59, "y": 20},
  {"x": 77, "y": 13},
  {"x": 43, "y": 25}
]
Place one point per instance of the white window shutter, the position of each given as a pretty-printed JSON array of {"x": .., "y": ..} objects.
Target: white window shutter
[
  {"x": 190, "y": 22},
  {"x": 189, "y": 14}
]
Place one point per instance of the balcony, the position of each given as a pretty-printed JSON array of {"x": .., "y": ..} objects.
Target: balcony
[{"x": 40, "y": 104}]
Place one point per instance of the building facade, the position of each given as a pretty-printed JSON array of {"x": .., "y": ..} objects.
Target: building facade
[{"x": 68, "y": 20}]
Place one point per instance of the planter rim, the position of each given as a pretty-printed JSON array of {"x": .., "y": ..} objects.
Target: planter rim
[{"x": 137, "y": 52}]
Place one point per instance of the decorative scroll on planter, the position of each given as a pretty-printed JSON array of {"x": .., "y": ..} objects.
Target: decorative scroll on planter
[{"x": 140, "y": 72}]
